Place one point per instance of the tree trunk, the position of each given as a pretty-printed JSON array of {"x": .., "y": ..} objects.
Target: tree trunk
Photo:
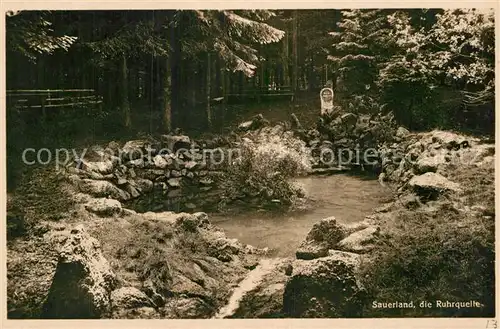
[
  {"x": 124, "y": 102},
  {"x": 295, "y": 82},
  {"x": 209, "y": 110},
  {"x": 175, "y": 62},
  {"x": 166, "y": 85}
]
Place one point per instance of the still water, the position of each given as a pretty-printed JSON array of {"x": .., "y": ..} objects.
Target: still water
[{"x": 348, "y": 198}]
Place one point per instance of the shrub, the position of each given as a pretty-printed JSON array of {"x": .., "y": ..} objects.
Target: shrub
[{"x": 264, "y": 169}]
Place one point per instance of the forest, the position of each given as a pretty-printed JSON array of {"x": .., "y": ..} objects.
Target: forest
[
  {"x": 432, "y": 69},
  {"x": 278, "y": 231}
]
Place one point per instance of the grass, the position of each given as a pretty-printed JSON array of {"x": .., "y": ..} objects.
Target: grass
[
  {"x": 447, "y": 254},
  {"x": 41, "y": 195}
]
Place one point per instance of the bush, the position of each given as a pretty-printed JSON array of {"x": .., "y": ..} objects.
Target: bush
[{"x": 264, "y": 170}]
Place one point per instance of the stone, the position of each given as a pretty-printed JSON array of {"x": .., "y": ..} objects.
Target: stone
[
  {"x": 402, "y": 132},
  {"x": 428, "y": 164},
  {"x": 349, "y": 119},
  {"x": 143, "y": 185},
  {"x": 311, "y": 250},
  {"x": 430, "y": 184},
  {"x": 410, "y": 201},
  {"x": 265, "y": 299},
  {"x": 176, "y": 142},
  {"x": 104, "y": 207},
  {"x": 135, "y": 149},
  {"x": 327, "y": 287},
  {"x": 83, "y": 280},
  {"x": 130, "y": 189},
  {"x": 129, "y": 297},
  {"x": 160, "y": 162},
  {"x": 385, "y": 208},
  {"x": 101, "y": 167},
  {"x": 187, "y": 308},
  {"x": 324, "y": 235},
  {"x": 174, "y": 182},
  {"x": 137, "y": 163},
  {"x": 360, "y": 241},
  {"x": 175, "y": 173},
  {"x": 206, "y": 181},
  {"x": 100, "y": 188},
  {"x": 190, "y": 165}
]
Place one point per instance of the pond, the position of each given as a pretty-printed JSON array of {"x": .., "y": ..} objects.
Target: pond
[{"x": 349, "y": 198}]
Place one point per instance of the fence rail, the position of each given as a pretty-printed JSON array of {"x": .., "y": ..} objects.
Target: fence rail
[{"x": 24, "y": 99}]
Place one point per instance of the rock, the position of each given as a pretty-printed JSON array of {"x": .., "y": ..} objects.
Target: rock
[
  {"x": 311, "y": 250},
  {"x": 160, "y": 162},
  {"x": 402, "y": 132},
  {"x": 324, "y": 235},
  {"x": 113, "y": 148},
  {"x": 129, "y": 297},
  {"x": 349, "y": 119},
  {"x": 265, "y": 299},
  {"x": 135, "y": 149},
  {"x": 130, "y": 188},
  {"x": 245, "y": 126},
  {"x": 101, "y": 167},
  {"x": 104, "y": 207},
  {"x": 175, "y": 173},
  {"x": 176, "y": 142},
  {"x": 190, "y": 165},
  {"x": 187, "y": 308},
  {"x": 101, "y": 188},
  {"x": 384, "y": 208},
  {"x": 83, "y": 280},
  {"x": 206, "y": 181},
  {"x": 143, "y": 185},
  {"x": 327, "y": 287},
  {"x": 360, "y": 241},
  {"x": 223, "y": 248},
  {"x": 430, "y": 184},
  {"x": 428, "y": 164},
  {"x": 137, "y": 163},
  {"x": 174, "y": 182},
  {"x": 257, "y": 122},
  {"x": 410, "y": 201}
]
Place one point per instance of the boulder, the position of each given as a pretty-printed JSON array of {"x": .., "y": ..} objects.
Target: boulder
[
  {"x": 428, "y": 164},
  {"x": 129, "y": 297},
  {"x": 361, "y": 241},
  {"x": 83, "y": 280},
  {"x": 324, "y": 235},
  {"x": 104, "y": 207},
  {"x": 311, "y": 250},
  {"x": 327, "y": 287},
  {"x": 101, "y": 188},
  {"x": 431, "y": 184}
]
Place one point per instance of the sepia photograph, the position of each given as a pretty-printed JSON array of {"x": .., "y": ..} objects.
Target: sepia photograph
[{"x": 250, "y": 163}]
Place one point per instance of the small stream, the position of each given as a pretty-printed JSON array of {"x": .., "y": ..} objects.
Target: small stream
[{"x": 349, "y": 198}]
